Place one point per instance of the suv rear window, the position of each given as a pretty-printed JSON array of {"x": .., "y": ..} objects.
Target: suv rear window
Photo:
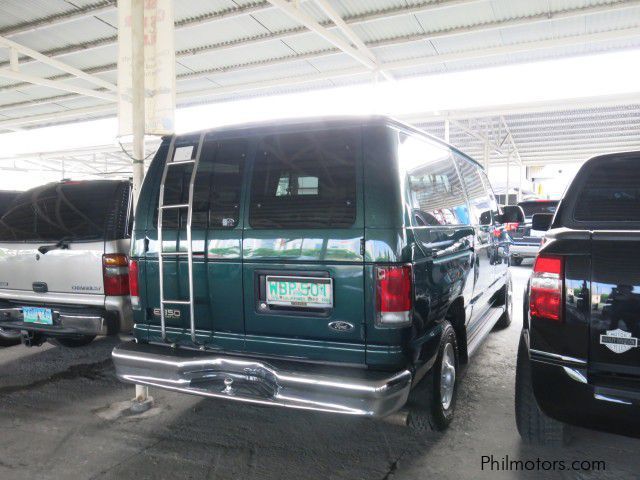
[
  {"x": 71, "y": 211},
  {"x": 305, "y": 180},
  {"x": 531, "y": 208},
  {"x": 610, "y": 193}
]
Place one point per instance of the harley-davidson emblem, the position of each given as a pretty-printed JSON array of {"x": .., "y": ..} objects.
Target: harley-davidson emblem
[
  {"x": 618, "y": 341},
  {"x": 341, "y": 326}
]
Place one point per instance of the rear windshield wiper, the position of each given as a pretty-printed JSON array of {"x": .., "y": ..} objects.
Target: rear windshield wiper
[{"x": 62, "y": 244}]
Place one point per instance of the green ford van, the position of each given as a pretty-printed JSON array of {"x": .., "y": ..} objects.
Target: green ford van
[{"x": 328, "y": 264}]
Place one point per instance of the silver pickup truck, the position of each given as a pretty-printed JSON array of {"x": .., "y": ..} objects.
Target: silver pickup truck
[{"x": 64, "y": 263}]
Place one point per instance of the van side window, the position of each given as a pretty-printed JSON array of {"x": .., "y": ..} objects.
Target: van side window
[
  {"x": 481, "y": 201},
  {"x": 493, "y": 204},
  {"x": 305, "y": 180},
  {"x": 434, "y": 187}
]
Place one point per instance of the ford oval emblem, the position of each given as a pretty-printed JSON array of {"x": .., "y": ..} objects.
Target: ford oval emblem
[{"x": 341, "y": 326}]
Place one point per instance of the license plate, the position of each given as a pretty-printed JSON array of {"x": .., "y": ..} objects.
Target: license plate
[
  {"x": 39, "y": 315},
  {"x": 300, "y": 291},
  {"x": 537, "y": 233}
]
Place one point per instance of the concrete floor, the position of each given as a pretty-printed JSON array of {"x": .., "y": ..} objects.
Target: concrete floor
[{"x": 57, "y": 421}]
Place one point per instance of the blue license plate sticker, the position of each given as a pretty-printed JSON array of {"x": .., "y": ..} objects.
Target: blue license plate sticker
[{"x": 42, "y": 316}]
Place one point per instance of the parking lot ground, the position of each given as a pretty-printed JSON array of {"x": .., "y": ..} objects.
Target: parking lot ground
[{"x": 57, "y": 421}]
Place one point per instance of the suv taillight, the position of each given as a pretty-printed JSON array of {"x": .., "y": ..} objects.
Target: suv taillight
[
  {"x": 115, "y": 274},
  {"x": 393, "y": 296},
  {"x": 547, "y": 284}
]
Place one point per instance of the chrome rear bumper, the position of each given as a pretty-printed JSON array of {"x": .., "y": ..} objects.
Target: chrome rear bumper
[{"x": 287, "y": 384}]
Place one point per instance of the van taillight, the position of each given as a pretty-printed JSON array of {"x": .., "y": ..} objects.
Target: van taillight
[
  {"x": 393, "y": 296},
  {"x": 115, "y": 273},
  {"x": 134, "y": 286},
  {"x": 547, "y": 284}
]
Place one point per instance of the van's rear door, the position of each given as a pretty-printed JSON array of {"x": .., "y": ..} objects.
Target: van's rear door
[
  {"x": 53, "y": 237},
  {"x": 303, "y": 265},
  {"x": 216, "y": 231}
]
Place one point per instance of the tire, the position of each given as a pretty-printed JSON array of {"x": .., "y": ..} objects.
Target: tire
[
  {"x": 517, "y": 261},
  {"x": 506, "y": 298},
  {"x": 8, "y": 340},
  {"x": 73, "y": 342},
  {"x": 434, "y": 405},
  {"x": 533, "y": 425}
]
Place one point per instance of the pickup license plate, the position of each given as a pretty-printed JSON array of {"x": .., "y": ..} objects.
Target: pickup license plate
[
  {"x": 300, "y": 291},
  {"x": 39, "y": 315}
]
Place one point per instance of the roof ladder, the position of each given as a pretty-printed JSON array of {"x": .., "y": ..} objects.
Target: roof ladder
[{"x": 162, "y": 207}]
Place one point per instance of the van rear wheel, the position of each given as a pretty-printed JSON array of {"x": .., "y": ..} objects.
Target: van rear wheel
[
  {"x": 436, "y": 395},
  {"x": 73, "y": 342},
  {"x": 517, "y": 261}
]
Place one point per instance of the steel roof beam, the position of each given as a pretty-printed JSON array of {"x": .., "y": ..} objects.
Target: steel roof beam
[
  {"x": 308, "y": 21},
  {"x": 52, "y": 62},
  {"x": 350, "y": 34},
  {"x": 545, "y": 106},
  {"x": 264, "y": 5},
  {"x": 361, "y": 19},
  {"x": 56, "y": 84}
]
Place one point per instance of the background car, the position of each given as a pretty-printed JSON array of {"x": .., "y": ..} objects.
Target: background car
[
  {"x": 525, "y": 240},
  {"x": 579, "y": 357},
  {"x": 359, "y": 260},
  {"x": 63, "y": 262}
]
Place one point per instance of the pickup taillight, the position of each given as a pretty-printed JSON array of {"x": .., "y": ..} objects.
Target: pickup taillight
[
  {"x": 393, "y": 296},
  {"x": 546, "y": 287},
  {"x": 115, "y": 273}
]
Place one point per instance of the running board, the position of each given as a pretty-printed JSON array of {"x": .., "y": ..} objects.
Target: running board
[{"x": 488, "y": 321}]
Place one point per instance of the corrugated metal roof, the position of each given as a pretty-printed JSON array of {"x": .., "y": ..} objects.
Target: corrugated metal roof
[{"x": 240, "y": 43}]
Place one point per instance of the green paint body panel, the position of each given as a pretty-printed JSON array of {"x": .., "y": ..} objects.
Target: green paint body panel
[{"x": 230, "y": 263}]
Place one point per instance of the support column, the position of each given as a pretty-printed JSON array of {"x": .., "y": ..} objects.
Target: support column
[
  {"x": 520, "y": 171},
  {"x": 138, "y": 118},
  {"x": 141, "y": 401},
  {"x": 486, "y": 158},
  {"x": 506, "y": 202}
]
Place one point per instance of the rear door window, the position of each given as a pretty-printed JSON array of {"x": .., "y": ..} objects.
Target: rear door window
[
  {"x": 217, "y": 186},
  {"x": 610, "y": 193},
  {"x": 73, "y": 211},
  {"x": 434, "y": 187},
  {"x": 305, "y": 180}
]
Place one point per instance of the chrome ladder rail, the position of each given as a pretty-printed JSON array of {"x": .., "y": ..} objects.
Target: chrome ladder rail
[{"x": 189, "y": 253}]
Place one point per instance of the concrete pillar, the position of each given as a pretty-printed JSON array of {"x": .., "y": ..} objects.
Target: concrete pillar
[{"x": 137, "y": 61}]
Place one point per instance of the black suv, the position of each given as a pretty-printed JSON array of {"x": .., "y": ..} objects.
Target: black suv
[{"x": 579, "y": 360}]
